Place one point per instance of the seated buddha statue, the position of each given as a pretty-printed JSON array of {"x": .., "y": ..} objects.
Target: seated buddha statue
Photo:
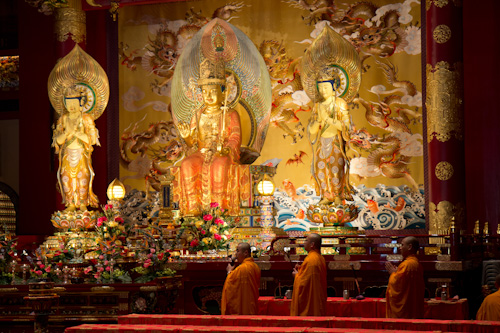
[
  {"x": 73, "y": 138},
  {"x": 208, "y": 173}
]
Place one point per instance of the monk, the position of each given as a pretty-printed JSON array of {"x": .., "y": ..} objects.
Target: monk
[
  {"x": 406, "y": 287},
  {"x": 490, "y": 308},
  {"x": 241, "y": 289},
  {"x": 309, "y": 286}
]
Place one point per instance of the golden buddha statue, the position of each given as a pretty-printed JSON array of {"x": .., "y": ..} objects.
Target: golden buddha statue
[
  {"x": 73, "y": 138},
  {"x": 214, "y": 139},
  {"x": 329, "y": 129}
]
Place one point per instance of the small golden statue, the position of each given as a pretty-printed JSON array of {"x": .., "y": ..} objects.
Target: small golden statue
[
  {"x": 74, "y": 136},
  {"x": 79, "y": 91},
  {"x": 214, "y": 139}
]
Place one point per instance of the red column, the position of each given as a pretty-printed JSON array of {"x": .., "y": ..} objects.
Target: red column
[{"x": 445, "y": 115}]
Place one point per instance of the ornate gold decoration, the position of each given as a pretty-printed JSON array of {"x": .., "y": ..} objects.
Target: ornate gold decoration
[
  {"x": 113, "y": 9},
  {"x": 343, "y": 265},
  {"x": 102, "y": 289},
  {"x": 444, "y": 101},
  {"x": 486, "y": 229},
  {"x": 264, "y": 265},
  {"x": 428, "y": 4},
  {"x": 439, "y": 3},
  {"x": 394, "y": 257},
  {"x": 432, "y": 250},
  {"x": 70, "y": 22},
  {"x": 9, "y": 290},
  {"x": 449, "y": 266},
  {"x": 93, "y": 3},
  {"x": 342, "y": 257},
  {"x": 80, "y": 69},
  {"x": 441, "y": 215},
  {"x": 477, "y": 231},
  {"x": 330, "y": 51},
  {"x": 444, "y": 170},
  {"x": 212, "y": 72},
  {"x": 150, "y": 288},
  {"x": 441, "y": 34},
  {"x": 444, "y": 257}
]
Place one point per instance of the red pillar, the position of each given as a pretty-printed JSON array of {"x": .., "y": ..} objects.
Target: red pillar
[{"x": 445, "y": 115}]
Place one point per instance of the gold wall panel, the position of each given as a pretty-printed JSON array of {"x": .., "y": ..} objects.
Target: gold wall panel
[
  {"x": 444, "y": 101},
  {"x": 440, "y": 216}
]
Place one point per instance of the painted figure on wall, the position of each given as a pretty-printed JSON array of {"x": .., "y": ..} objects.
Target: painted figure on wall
[
  {"x": 329, "y": 129},
  {"x": 73, "y": 138},
  {"x": 214, "y": 140}
]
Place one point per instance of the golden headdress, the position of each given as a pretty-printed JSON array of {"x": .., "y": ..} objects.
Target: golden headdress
[
  {"x": 330, "y": 57},
  {"x": 212, "y": 72},
  {"x": 79, "y": 75}
]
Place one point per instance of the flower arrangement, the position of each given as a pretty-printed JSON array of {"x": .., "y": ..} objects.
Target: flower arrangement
[
  {"x": 8, "y": 255},
  {"x": 152, "y": 265},
  {"x": 111, "y": 232},
  {"x": 9, "y": 72},
  {"x": 211, "y": 232}
]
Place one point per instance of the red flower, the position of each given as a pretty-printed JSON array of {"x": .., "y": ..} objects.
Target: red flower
[
  {"x": 203, "y": 232},
  {"x": 217, "y": 237},
  {"x": 214, "y": 205},
  {"x": 118, "y": 219},
  {"x": 160, "y": 255},
  {"x": 219, "y": 221},
  {"x": 194, "y": 243},
  {"x": 108, "y": 207},
  {"x": 207, "y": 217}
]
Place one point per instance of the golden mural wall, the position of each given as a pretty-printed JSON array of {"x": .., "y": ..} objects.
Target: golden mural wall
[{"x": 386, "y": 145}]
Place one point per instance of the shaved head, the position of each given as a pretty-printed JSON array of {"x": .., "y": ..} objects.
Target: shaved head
[
  {"x": 413, "y": 242},
  {"x": 316, "y": 239},
  {"x": 245, "y": 247}
]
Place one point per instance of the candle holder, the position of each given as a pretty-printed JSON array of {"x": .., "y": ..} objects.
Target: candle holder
[
  {"x": 66, "y": 275},
  {"x": 13, "y": 265},
  {"x": 25, "y": 270}
]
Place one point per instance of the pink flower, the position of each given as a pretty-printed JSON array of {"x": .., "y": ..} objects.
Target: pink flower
[
  {"x": 108, "y": 268},
  {"x": 108, "y": 207},
  {"x": 118, "y": 219},
  {"x": 96, "y": 275},
  {"x": 105, "y": 262},
  {"x": 99, "y": 223},
  {"x": 39, "y": 262},
  {"x": 42, "y": 266},
  {"x": 194, "y": 243},
  {"x": 152, "y": 250},
  {"x": 146, "y": 264},
  {"x": 101, "y": 257},
  {"x": 203, "y": 232},
  {"x": 217, "y": 237},
  {"x": 207, "y": 217},
  {"x": 102, "y": 219},
  {"x": 87, "y": 270},
  {"x": 214, "y": 205},
  {"x": 150, "y": 255},
  {"x": 219, "y": 221},
  {"x": 47, "y": 269},
  {"x": 38, "y": 272}
]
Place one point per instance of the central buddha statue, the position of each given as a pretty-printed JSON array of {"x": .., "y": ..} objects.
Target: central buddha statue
[{"x": 214, "y": 139}]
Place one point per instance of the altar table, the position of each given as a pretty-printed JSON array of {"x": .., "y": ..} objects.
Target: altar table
[{"x": 368, "y": 308}]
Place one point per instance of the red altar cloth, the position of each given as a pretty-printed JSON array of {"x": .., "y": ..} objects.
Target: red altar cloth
[{"x": 367, "y": 308}]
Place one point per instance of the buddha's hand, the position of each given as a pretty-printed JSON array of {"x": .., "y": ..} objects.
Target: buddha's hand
[{"x": 184, "y": 129}]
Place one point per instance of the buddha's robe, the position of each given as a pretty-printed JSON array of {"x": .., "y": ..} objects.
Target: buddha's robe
[
  {"x": 490, "y": 309},
  {"x": 309, "y": 287},
  {"x": 405, "y": 290},
  {"x": 241, "y": 289}
]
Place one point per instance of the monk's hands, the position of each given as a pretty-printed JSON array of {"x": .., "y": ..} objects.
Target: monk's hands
[
  {"x": 390, "y": 267},
  {"x": 229, "y": 268},
  {"x": 296, "y": 269}
]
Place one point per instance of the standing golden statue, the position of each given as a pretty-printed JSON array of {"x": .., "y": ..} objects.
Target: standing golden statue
[
  {"x": 214, "y": 139},
  {"x": 79, "y": 91},
  {"x": 331, "y": 76},
  {"x": 221, "y": 104},
  {"x": 329, "y": 129},
  {"x": 74, "y": 136}
]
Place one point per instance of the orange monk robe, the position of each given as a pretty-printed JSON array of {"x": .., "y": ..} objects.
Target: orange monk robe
[
  {"x": 405, "y": 290},
  {"x": 309, "y": 287},
  {"x": 241, "y": 289},
  {"x": 490, "y": 309}
]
